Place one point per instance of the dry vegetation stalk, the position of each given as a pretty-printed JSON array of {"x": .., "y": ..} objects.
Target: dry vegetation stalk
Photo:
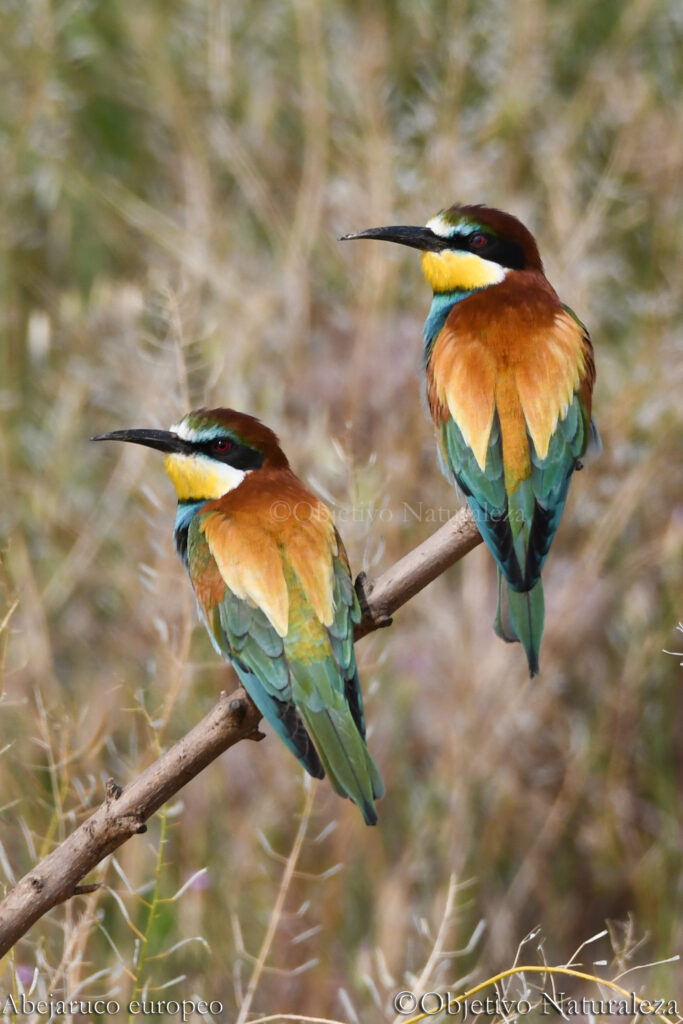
[{"x": 544, "y": 969}]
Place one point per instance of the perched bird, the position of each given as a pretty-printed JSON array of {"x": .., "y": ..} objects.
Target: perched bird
[
  {"x": 509, "y": 374},
  {"x": 273, "y": 586}
]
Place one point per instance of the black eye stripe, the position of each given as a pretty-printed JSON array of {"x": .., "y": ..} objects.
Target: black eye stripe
[
  {"x": 241, "y": 456},
  {"x": 497, "y": 250}
]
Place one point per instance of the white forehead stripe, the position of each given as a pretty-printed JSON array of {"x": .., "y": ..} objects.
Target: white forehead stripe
[
  {"x": 188, "y": 433},
  {"x": 182, "y": 430},
  {"x": 444, "y": 229}
]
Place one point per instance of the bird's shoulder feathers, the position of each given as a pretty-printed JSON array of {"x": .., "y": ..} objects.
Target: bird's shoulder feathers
[
  {"x": 256, "y": 536},
  {"x": 514, "y": 349}
]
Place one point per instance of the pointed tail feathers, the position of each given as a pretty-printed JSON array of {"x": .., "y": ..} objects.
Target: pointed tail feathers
[
  {"x": 519, "y": 617},
  {"x": 282, "y": 716},
  {"x": 345, "y": 757},
  {"x": 325, "y": 740}
]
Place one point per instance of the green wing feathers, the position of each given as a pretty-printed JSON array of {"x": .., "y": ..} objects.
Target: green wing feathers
[
  {"x": 519, "y": 527},
  {"x": 326, "y": 690},
  {"x": 304, "y": 683},
  {"x": 323, "y": 708},
  {"x": 245, "y": 635}
]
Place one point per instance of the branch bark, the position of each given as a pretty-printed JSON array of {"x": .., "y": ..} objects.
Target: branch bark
[
  {"x": 124, "y": 812},
  {"x": 380, "y": 598}
]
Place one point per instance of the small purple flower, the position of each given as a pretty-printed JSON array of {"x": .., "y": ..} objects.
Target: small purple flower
[{"x": 25, "y": 974}]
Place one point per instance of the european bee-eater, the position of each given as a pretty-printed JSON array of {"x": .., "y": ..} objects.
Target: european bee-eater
[
  {"x": 273, "y": 586},
  {"x": 509, "y": 373}
]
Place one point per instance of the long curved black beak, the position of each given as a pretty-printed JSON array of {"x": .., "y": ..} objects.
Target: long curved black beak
[
  {"x": 162, "y": 440},
  {"x": 415, "y": 237}
]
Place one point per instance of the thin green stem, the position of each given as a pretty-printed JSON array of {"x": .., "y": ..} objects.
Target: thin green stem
[{"x": 153, "y": 906}]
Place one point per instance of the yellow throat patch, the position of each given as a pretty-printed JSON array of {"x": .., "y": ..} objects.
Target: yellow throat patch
[
  {"x": 196, "y": 476},
  {"x": 453, "y": 270}
]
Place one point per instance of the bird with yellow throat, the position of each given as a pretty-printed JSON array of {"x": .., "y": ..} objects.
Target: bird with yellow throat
[
  {"x": 509, "y": 374},
  {"x": 273, "y": 586}
]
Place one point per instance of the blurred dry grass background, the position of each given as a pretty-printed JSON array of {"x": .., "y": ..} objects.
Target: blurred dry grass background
[{"x": 173, "y": 178}]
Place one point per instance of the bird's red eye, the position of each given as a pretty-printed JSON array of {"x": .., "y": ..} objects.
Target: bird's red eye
[
  {"x": 478, "y": 240},
  {"x": 222, "y": 444}
]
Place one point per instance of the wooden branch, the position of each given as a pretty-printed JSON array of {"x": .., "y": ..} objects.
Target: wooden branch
[
  {"x": 380, "y": 598},
  {"x": 124, "y": 812}
]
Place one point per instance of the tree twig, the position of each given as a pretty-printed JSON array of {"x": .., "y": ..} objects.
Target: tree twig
[
  {"x": 124, "y": 811},
  {"x": 380, "y": 598},
  {"x": 123, "y": 814}
]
